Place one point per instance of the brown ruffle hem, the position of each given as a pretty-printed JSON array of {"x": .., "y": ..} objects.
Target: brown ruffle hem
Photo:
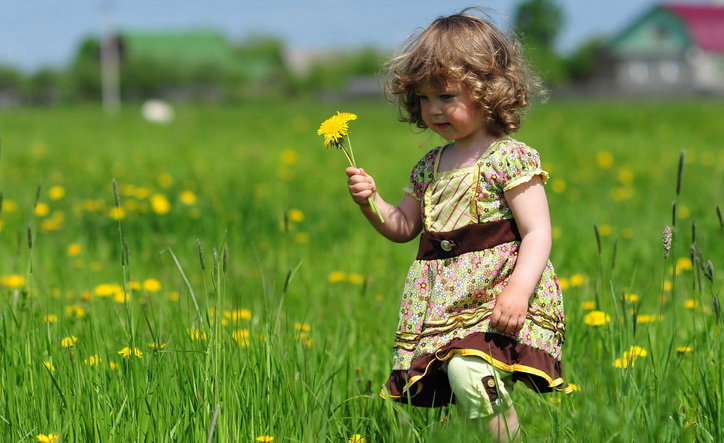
[{"x": 426, "y": 385}]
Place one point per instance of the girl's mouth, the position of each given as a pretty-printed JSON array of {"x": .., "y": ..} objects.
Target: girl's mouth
[{"x": 442, "y": 125}]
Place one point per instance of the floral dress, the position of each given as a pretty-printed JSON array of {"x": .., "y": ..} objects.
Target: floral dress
[{"x": 446, "y": 303}]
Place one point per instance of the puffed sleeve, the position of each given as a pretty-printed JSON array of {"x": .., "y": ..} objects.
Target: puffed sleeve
[
  {"x": 422, "y": 175},
  {"x": 517, "y": 165}
]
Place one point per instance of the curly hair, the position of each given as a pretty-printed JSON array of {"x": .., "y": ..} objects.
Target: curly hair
[{"x": 467, "y": 49}]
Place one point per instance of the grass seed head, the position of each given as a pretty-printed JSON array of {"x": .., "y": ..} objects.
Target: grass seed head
[
  {"x": 225, "y": 261},
  {"x": 717, "y": 308},
  {"x": 718, "y": 213},
  {"x": 216, "y": 264},
  {"x": 116, "y": 197},
  {"x": 673, "y": 214},
  {"x": 692, "y": 254},
  {"x": 37, "y": 193},
  {"x": 30, "y": 237},
  {"x": 709, "y": 271},
  {"x": 693, "y": 231},
  {"x": 201, "y": 254},
  {"x": 598, "y": 238},
  {"x": 667, "y": 241},
  {"x": 125, "y": 252}
]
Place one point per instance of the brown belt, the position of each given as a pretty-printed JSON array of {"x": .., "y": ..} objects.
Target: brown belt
[{"x": 475, "y": 237}]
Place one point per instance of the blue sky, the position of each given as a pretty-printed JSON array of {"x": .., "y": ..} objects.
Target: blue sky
[{"x": 35, "y": 33}]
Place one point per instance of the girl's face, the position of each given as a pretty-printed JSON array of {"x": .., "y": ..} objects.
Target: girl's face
[{"x": 452, "y": 113}]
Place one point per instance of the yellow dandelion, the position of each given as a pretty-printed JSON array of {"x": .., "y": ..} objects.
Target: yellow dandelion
[
  {"x": 643, "y": 318},
  {"x": 555, "y": 233},
  {"x": 577, "y": 279},
  {"x": 56, "y": 193},
  {"x": 335, "y": 127},
  {"x": 336, "y": 276},
  {"x": 120, "y": 297},
  {"x": 302, "y": 327},
  {"x": 157, "y": 346},
  {"x": 558, "y": 186},
  {"x": 596, "y": 318},
  {"x": 112, "y": 366},
  {"x": 574, "y": 387},
  {"x": 241, "y": 336},
  {"x": 554, "y": 400},
  {"x": 69, "y": 342},
  {"x": 50, "y": 438},
  {"x": 49, "y": 366},
  {"x": 604, "y": 159},
  {"x": 627, "y": 233},
  {"x": 151, "y": 285},
  {"x": 289, "y": 157},
  {"x": 604, "y": 230},
  {"x": 51, "y": 318},
  {"x": 684, "y": 263},
  {"x": 631, "y": 297},
  {"x": 160, "y": 204},
  {"x": 196, "y": 334},
  {"x": 691, "y": 304},
  {"x": 265, "y": 438},
  {"x": 683, "y": 349},
  {"x": 9, "y": 206},
  {"x": 117, "y": 213},
  {"x": 164, "y": 180},
  {"x": 128, "y": 352},
  {"x": 73, "y": 249},
  {"x": 92, "y": 360},
  {"x": 42, "y": 209},
  {"x": 301, "y": 237},
  {"x": 667, "y": 285},
  {"x": 564, "y": 283},
  {"x": 172, "y": 296},
  {"x": 133, "y": 285},
  {"x": 295, "y": 215},
  {"x": 187, "y": 198},
  {"x": 49, "y": 225},
  {"x": 141, "y": 193},
  {"x": 684, "y": 212},
  {"x": 74, "y": 311},
  {"x": 588, "y": 305},
  {"x": 635, "y": 352},
  {"x": 12, "y": 281},
  {"x": 357, "y": 438},
  {"x": 356, "y": 279}
]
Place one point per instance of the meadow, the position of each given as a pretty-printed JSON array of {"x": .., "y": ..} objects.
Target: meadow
[{"x": 116, "y": 327}]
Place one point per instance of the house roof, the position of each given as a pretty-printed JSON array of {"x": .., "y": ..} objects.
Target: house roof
[{"x": 704, "y": 22}]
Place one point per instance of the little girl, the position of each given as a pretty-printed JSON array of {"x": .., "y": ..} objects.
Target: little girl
[{"x": 481, "y": 307}]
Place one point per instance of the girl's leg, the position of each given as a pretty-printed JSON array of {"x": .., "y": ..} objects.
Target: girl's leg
[{"x": 481, "y": 396}]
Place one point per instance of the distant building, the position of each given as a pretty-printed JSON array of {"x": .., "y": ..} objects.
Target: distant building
[{"x": 671, "y": 49}]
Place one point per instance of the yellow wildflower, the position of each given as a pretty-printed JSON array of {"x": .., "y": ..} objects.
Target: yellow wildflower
[
  {"x": 50, "y": 438},
  {"x": 302, "y": 327},
  {"x": 241, "y": 336},
  {"x": 12, "y": 281},
  {"x": 49, "y": 365},
  {"x": 56, "y": 193},
  {"x": 73, "y": 249},
  {"x": 196, "y": 334},
  {"x": 574, "y": 387},
  {"x": 691, "y": 304},
  {"x": 151, "y": 285},
  {"x": 164, "y": 180},
  {"x": 336, "y": 276},
  {"x": 92, "y": 360},
  {"x": 157, "y": 346},
  {"x": 335, "y": 127},
  {"x": 683, "y": 349},
  {"x": 117, "y": 213},
  {"x": 643, "y": 318},
  {"x": 42, "y": 209},
  {"x": 295, "y": 215},
  {"x": 127, "y": 352},
  {"x": 69, "y": 342},
  {"x": 301, "y": 237},
  {"x": 577, "y": 279},
  {"x": 684, "y": 263},
  {"x": 265, "y": 438},
  {"x": 160, "y": 204},
  {"x": 141, "y": 193},
  {"x": 52, "y": 318},
  {"x": 9, "y": 206},
  {"x": 604, "y": 230},
  {"x": 596, "y": 318},
  {"x": 188, "y": 198},
  {"x": 74, "y": 311},
  {"x": 564, "y": 283},
  {"x": 172, "y": 296},
  {"x": 289, "y": 157},
  {"x": 113, "y": 366},
  {"x": 631, "y": 297},
  {"x": 357, "y": 438},
  {"x": 356, "y": 279},
  {"x": 588, "y": 305},
  {"x": 558, "y": 186},
  {"x": 604, "y": 159}
]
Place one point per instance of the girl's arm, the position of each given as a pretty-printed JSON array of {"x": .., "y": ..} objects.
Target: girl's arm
[
  {"x": 402, "y": 222},
  {"x": 530, "y": 210}
]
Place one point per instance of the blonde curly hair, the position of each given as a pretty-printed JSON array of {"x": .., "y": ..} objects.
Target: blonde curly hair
[{"x": 468, "y": 49}]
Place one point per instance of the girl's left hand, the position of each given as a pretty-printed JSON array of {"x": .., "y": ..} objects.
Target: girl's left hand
[{"x": 509, "y": 313}]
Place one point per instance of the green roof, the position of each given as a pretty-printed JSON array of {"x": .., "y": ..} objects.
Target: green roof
[{"x": 658, "y": 32}]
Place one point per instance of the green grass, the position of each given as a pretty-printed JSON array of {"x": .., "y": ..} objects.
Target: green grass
[{"x": 314, "y": 353}]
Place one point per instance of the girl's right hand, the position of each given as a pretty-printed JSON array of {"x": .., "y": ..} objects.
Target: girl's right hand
[{"x": 361, "y": 185}]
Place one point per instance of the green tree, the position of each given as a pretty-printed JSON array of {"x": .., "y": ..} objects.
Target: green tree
[
  {"x": 581, "y": 64},
  {"x": 539, "y": 21}
]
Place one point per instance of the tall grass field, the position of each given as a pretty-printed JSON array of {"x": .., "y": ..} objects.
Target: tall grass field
[{"x": 229, "y": 290}]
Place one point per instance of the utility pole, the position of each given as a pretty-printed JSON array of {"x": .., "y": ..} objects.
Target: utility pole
[{"x": 111, "y": 88}]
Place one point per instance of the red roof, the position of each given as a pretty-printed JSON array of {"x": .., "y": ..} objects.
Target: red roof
[{"x": 705, "y": 23}]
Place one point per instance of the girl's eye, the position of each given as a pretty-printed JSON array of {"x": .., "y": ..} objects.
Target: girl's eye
[
  {"x": 422, "y": 97},
  {"x": 446, "y": 96}
]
